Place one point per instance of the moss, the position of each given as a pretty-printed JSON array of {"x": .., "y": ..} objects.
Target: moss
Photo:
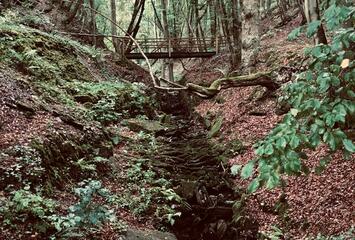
[{"x": 59, "y": 74}]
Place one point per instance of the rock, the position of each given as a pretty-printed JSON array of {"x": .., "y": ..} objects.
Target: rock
[
  {"x": 187, "y": 189},
  {"x": 145, "y": 125},
  {"x": 135, "y": 234},
  {"x": 216, "y": 127},
  {"x": 106, "y": 150},
  {"x": 85, "y": 99}
]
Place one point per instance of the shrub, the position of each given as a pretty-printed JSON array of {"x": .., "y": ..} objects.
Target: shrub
[
  {"x": 27, "y": 207},
  {"x": 322, "y": 100},
  {"x": 87, "y": 213}
]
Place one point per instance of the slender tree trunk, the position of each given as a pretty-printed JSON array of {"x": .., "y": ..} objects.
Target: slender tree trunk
[
  {"x": 311, "y": 9},
  {"x": 283, "y": 10},
  {"x": 115, "y": 42},
  {"x": 134, "y": 24},
  {"x": 213, "y": 21},
  {"x": 169, "y": 62},
  {"x": 73, "y": 13},
  {"x": 93, "y": 21},
  {"x": 250, "y": 31},
  {"x": 236, "y": 31}
]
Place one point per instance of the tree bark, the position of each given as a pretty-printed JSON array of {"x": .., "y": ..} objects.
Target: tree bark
[
  {"x": 250, "y": 31},
  {"x": 115, "y": 42},
  {"x": 311, "y": 9},
  {"x": 73, "y": 13},
  {"x": 166, "y": 32},
  {"x": 93, "y": 21},
  {"x": 262, "y": 78}
]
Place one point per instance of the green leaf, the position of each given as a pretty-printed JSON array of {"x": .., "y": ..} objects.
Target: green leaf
[
  {"x": 281, "y": 143},
  {"x": 294, "y": 34},
  {"x": 349, "y": 146},
  {"x": 312, "y": 28},
  {"x": 322, "y": 164},
  {"x": 216, "y": 127},
  {"x": 253, "y": 186},
  {"x": 273, "y": 181},
  {"x": 235, "y": 169},
  {"x": 247, "y": 170},
  {"x": 295, "y": 142},
  {"x": 269, "y": 150},
  {"x": 116, "y": 139}
]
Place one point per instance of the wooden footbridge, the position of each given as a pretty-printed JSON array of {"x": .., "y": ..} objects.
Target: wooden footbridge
[{"x": 160, "y": 48}]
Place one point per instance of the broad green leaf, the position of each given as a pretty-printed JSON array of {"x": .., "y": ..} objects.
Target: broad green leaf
[
  {"x": 247, "y": 170},
  {"x": 295, "y": 141},
  {"x": 294, "y": 34},
  {"x": 269, "y": 150},
  {"x": 260, "y": 150},
  {"x": 253, "y": 186},
  {"x": 216, "y": 127},
  {"x": 322, "y": 164},
  {"x": 281, "y": 143},
  {"x": 116, "y": 140},
  {"x": 348, "y": 144},
  {"x": 273, "y": 181},
  {"x": 235, "y": 169},
  {"x": 312, "y": 28}
]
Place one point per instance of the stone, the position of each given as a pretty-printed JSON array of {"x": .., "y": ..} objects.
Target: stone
[
  {"x": 145, "y": 125},
  {"x": 135, "y": 234},
  {"x": 85, "y": 99}
]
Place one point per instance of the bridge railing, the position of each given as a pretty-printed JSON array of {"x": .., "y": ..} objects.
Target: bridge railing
[{"x": 187, "y": 45}]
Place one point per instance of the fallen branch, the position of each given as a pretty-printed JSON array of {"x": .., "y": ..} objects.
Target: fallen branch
[{"x": 262, "y": 78}]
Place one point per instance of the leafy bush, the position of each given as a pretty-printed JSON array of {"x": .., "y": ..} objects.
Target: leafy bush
[
  {"x": 149, "y": 194},
  {"x": 111, "y": 101},
  {"x": 87, "y": 213},
  {"x": 323, "y": 107},
  {"x": 25, "y": 206},
  {"x": 25, "y": 168}
]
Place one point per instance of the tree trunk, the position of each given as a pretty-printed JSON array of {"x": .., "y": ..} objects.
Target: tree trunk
[
  {"x": 73, "y": 13},
  {"x": 115, "y": 42},
  {"x": 134, "y": 24},
  {"x": 311, "y": 10},
  {"x": 93, "y": 21},
  {"x": 250, "y": 31},
  {"x": 166, "y": 32},
  {"x": 236, "y": 32},
  {"x": 262, "y": 78}
]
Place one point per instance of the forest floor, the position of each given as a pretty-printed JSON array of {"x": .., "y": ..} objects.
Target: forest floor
[
  {"x": 60, "y": 114},
  {"x": 316, "y": 203}
]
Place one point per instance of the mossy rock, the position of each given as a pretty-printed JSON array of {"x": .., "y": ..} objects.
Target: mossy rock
[
  {"x": 134, "y": 234},
  {"x": 145, "y": 125},
  {"x": 217, "y": 124}
]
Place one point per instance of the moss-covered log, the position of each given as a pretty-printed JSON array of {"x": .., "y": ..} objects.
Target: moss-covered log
[{"x": 261, "y": 78}]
